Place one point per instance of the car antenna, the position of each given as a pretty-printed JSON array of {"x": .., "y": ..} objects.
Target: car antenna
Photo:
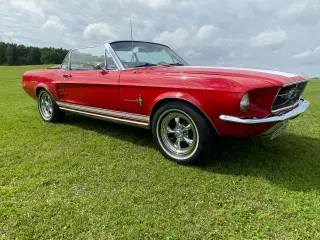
[{"x": 131, "y": 40}]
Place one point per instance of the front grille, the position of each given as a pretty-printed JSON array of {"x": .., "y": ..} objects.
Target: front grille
[{"x": 288, "y": 96}]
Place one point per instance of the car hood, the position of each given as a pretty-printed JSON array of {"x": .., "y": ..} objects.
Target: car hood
[{"x": 242, "y": 75}]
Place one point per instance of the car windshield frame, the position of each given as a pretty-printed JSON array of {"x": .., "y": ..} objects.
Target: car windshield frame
[{"x": 127, "y": 46}]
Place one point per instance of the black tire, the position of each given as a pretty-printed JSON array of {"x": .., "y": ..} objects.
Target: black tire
[
  {"x": 49, "y": 111},
  {"x": 200, "y": 132}
]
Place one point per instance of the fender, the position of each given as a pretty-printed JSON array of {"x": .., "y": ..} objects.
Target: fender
[
  {"x": 174, "y": 95},
  {"x": 179, "y": 96},
  {"x": 49, "y": 90}
]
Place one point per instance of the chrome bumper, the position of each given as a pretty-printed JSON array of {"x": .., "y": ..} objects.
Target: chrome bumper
[{"x": 302, "y": 107}]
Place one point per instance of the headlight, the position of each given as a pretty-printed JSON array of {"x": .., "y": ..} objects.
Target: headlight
[{"x": 245, "y": 102}]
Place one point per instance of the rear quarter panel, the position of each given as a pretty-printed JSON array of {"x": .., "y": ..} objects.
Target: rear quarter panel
[{"x": 31, "y": 80}]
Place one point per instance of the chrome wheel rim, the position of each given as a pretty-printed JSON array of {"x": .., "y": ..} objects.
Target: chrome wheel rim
[
  {"x": 45, "y": 105},
  {"x": 177, "y": 134}
]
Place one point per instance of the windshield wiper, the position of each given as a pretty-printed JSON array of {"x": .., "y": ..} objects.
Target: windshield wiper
[
  {"x": 146, "y": 65},
  {"x": 173, "y": 64},
  {"x": 176, "y": 64}
]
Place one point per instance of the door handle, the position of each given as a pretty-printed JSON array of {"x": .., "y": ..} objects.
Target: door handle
[{"x": 66, "y": 75}]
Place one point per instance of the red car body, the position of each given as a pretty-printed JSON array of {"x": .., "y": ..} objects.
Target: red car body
[{"x": 131, "y": 95}]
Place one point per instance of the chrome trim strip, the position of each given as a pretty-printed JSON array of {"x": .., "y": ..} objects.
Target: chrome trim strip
[
  {"x": 112, "y": 119},
  {"x": 303, "y": 106},
  {"x": 90, "y": 109},
  {"x": 114, "y": 56},
  {"x": 104, "y": 111},
  {"x": 135, "y": 116},
  {"x": 285, "y": 108}
]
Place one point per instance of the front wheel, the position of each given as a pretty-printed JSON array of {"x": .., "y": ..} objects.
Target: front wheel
[
  {"x": 181, "y": 133},
  {"x": 48, "y": 108}
]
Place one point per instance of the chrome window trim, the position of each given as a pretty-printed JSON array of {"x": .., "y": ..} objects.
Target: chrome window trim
[
  {"x": 114, "y": 56},
  {"x": 113, "y": 113},
  {"x": 69, "y": 65},
  {"x": 105, "y": 57},
  {"x": 67, "y": 56}
]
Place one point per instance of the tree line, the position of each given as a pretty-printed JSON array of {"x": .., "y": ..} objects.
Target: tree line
[{"x": 13, "y": 54}]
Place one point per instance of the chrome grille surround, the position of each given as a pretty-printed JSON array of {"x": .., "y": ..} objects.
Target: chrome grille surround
[{"x": 288, "y": 96}]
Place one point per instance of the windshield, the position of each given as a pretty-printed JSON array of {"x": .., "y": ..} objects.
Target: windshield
[{"x": 142, "y": 54}]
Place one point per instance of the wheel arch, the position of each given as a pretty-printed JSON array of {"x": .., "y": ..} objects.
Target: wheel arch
[
  {"x": 195, "y": 104},
  {"x": 44, "y": 87},
  {"x": 39, "y": 88}
]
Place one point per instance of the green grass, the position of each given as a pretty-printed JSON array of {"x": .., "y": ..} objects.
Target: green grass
[{"x": 90, "y": 179}]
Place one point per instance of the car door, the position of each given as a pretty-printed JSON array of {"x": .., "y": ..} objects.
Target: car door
[{"x": 85, "y": 85}]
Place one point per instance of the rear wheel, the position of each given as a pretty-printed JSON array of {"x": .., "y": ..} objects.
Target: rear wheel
[
  {"x": 48, "y": 108},
  {"x": 181, "y": 133}
]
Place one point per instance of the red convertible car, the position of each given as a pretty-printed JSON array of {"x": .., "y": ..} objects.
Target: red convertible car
[{"x": 148, "y": 85}]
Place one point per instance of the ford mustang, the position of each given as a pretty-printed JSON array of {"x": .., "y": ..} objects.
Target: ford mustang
[{"x": 148, "y": 85}]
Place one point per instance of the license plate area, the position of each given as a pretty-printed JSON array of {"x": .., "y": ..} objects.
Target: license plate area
[{"x": 280, "y": 130}]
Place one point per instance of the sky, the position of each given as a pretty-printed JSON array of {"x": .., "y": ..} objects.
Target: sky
[{"x": 272, "y": 34}]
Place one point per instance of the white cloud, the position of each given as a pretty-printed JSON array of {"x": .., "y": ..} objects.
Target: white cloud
[
  {"x": 154, "y": 4},
  {"x": 53, "y": 29},
  {"x": 138, "y": 20},
  {"x": 192, "y": 54},
  {"x": 270, "y": 40},
  {"x": 206, "y": 32},
  {"x": 31, "y": 6},
  {"x": 53, "y": 24},
  {"x": 231, "y": 55},
  {"x": 310, "y": 56},
  {"x": 100, "y": 31},
  {"x": 303, "y": 11},
  {"x": 303, "y": 55},
  {"x": 181, "y": 38},
  {"x": 8, "y": 36},
  {"x": 68, "y": 39},
  {"x": 177, "y": 39},
  {"x": 228, "y": 60}
]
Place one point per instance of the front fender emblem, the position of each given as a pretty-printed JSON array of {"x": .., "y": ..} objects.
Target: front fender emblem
[{"x": 139, "y": 100}]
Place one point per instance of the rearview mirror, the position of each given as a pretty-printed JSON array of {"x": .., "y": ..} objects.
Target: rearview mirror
[{"x": 100, "y": 66}]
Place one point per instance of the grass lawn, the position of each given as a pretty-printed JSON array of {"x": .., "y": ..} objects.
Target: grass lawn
[{"x": 90, "y": 179}]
